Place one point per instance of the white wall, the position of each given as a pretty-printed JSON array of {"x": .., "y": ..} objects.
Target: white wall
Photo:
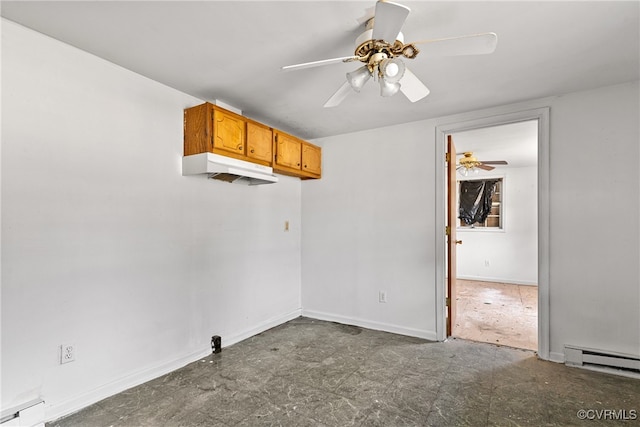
[
  {"x": 512, "y": 253},
  {"x": 370, "y": 225},
  {"x": 595, "y": 254},
  {"x": 106, "y": 246}
]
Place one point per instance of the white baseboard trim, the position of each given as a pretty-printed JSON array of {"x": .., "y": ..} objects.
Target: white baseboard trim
[
  {"x": 497, "y": 280},
  {"x": 371, "y": 324},
  {"x": 263, "y": 326},
  {"x": 556, "y": 357},
  {"x": 76, "y": 403}
]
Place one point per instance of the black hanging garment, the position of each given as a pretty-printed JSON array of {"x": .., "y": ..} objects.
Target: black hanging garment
[{"x": 475, "y": 200}]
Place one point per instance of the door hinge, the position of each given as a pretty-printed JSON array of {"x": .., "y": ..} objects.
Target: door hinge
[
  {"x": 447, "y": 157},
  {"x": 448, "y": 301},
  {"x": 447, "y": 230}
]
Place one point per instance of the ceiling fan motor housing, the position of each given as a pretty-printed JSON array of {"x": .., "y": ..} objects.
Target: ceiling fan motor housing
[
  {"x": 469, "y": 161},
  {"x": 365, "y": 45}
]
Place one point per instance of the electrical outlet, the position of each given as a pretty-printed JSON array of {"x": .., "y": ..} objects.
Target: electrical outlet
[
  {"x": 67, "y": 353},
  {"x": 382, "y": 296},
  {"x": 486, "y": 263}
]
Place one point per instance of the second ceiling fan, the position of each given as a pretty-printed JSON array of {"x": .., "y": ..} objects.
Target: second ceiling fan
[
  {"x": 381, "y": 46},
  {"x": 469, "y": 164}
]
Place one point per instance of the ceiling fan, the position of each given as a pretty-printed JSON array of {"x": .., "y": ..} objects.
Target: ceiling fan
[
  {"x": 468, "y": 164},
  {"x": 381, "y": 46}
]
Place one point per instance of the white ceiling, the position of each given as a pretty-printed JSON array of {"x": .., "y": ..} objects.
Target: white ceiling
[
  {"x": 516, "y": 143},
  {"x": 232, "y": 51}
]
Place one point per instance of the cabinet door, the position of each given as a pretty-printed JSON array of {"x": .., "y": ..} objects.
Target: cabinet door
[
  {"x": 228, "y": 132},
  {"x": 311, "y": 159},
  {"x": 288, "y": 151},
  {"x": 259, "y": 142}
]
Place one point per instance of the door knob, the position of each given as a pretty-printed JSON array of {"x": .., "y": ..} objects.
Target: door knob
[{"x": 458, "y": 242}]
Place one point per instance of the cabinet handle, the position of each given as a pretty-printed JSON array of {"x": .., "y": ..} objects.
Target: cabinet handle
[
  {"x": 253, "y": 151},
  {"x": 239, "y": 147}
]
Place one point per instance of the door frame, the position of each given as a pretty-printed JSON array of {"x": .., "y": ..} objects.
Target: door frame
[{"x": 542, "y": 116}]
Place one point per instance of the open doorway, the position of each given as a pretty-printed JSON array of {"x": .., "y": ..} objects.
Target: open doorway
[
  {"x": 443, "y": 240},
  {"x": 496, "y": 222}
]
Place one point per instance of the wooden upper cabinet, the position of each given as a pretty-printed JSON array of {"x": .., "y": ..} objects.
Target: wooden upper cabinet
[
  {"x": 229, "y": 132},
  {"x": 211, "y": 129},
  {"x": 197, "y": 130},
  {"x": 311, "y": 158},
  {"x": 296, "y": 157},
  {"x": 259, "y": 142},
  {"x": 288, "y": 151}
]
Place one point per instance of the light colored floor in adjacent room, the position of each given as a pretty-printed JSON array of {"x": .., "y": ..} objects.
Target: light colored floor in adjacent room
[{"x": 497, "y": 313}]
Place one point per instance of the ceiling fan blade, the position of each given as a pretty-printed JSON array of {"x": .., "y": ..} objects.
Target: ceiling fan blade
[
  {"x": 474, "y": 44},
  {"x": 485, "y": 167},
  {"x": 369, "y": 13},
  {"x": 388, "y": 20},
  {"x": 320, "y": 63},
  {"x": 339, "y": 96},
  {"x": 495, "y": 162},
  {"x": 412, "y": 87}
]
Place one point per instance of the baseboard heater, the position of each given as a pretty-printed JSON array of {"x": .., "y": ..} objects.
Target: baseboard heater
[
  {"x": 29, "y": 414},
  {"x": 600, "y": 360}
]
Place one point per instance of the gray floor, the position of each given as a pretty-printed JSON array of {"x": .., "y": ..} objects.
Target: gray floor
[{"x": 313, "y": 373}]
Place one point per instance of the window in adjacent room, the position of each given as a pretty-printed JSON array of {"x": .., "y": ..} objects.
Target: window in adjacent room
[{"x": 480, "y": 204}]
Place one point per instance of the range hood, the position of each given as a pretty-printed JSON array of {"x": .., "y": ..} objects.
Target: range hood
[{"x": 227, "y": 169}]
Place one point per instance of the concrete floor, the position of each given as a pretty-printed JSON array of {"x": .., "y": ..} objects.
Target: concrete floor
[
  {"x": 497, "y": 313},
  {"x": 314, "y": 373}
]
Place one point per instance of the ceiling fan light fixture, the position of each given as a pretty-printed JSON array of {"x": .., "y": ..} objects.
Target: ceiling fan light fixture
[
  {"x": 468, "y": 164},
  {"x": 359, "y": 77},
  {"x": 392, "y": 69},
  {"x": 380, "y": 47},
  {"x": 465, "y": 171},
  {"x": 388, "y": 89}
]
